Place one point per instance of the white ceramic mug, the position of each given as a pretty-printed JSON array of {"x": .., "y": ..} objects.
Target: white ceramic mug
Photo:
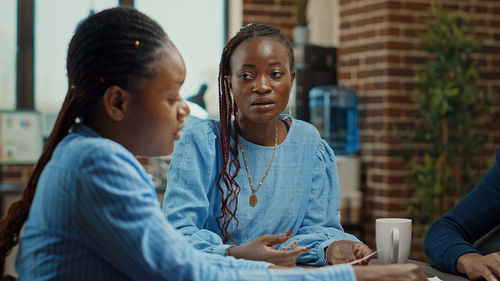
[{"x": 393, "y": 237}]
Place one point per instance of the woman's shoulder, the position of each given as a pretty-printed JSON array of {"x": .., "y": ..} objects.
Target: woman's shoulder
[
  {"x": 303, "y": 130},
  {"x": 200, "y": 128},
  {"x": 198, "y": 135},
  {"x": 309, "y": 135},
  {"x": 82, "y": 149}
]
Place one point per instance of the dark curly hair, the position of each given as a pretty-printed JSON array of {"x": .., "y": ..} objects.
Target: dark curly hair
[
  {"x": 117, "y": 46},
  {"x": 229, "y": 109}
]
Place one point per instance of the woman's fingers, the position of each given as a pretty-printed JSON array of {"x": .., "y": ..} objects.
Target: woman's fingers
[
  {"x": 274, "y": 239},
  {"x": 347, "y": 251},
  {"x": 293, "y": 246},
  {"x": 361, "y": 251},
  {"x": 287, "y": 257}
]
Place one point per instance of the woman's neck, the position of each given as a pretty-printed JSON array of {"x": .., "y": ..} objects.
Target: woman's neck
[
  {"x": 263, "y": 133},
  {"x": 259, "y": 133}
]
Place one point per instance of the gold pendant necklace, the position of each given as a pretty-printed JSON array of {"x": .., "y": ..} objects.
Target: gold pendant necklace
[{"x": 253, "y": 197}]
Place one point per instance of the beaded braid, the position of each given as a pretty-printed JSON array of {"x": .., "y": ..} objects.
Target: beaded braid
[
  {"x": 118, "y": 46},
  {"x": 229, "y": 109}
]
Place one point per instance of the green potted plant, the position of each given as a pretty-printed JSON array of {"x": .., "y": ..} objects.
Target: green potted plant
[
  {"x": 445, "y": 141},
  {"x": 300, "y": 32}
]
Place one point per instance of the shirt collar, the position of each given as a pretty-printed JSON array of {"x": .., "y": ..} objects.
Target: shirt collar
[{"x": 84, "y": 130}]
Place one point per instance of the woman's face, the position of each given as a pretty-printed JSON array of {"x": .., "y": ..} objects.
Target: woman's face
[
  {"x": 261, "y": 79},
  {"x": 157, "y": 110}
]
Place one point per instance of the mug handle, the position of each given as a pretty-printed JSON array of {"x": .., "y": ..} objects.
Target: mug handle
[{"x": 395, "y": 245}]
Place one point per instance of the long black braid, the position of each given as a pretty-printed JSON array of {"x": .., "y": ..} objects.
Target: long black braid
[
  {"x": 117, "y": 46},
  {"x": 227, "y": 110}
]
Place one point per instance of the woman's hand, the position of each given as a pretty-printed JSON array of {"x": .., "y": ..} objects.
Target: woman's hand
[
  {"x": 344, "y": 251},
  {"x": 476, "y": 266},
  {"x": 261, "y": 249},
  {"x": 393, "y": 272}
]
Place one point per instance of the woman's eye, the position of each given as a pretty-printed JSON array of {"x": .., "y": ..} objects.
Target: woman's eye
[
  {"x": 246, "y": 76},
  {"x": 277, "y": 74},
  {"x": 172, "y": 101}
]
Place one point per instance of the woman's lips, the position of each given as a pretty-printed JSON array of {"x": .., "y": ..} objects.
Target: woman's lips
[
  {"x": 263, "y": 101},
  {"x": 263, "y": 107},
  {"x": 178, "y": 134},
  {"x": 263, "y": 104}
]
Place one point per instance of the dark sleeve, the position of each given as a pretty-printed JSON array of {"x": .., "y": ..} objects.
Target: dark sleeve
[{"x": 453, "y": 235}]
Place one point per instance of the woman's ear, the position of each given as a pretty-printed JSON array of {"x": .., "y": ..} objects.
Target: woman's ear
[
  {"x": 293, "y": 76},
  {"x": 116, "y": 100}
]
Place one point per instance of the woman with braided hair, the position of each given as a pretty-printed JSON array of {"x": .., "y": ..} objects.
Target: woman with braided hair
[
  {"x": 258, "y": 171},
  {"x": 89, "y": 208}
]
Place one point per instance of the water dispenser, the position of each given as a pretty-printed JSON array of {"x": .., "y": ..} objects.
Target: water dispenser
[{"x": 334, "y": 112}]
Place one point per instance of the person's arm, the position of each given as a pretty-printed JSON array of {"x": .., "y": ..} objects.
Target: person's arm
[
  {"x": 453, "y": 235},
  {"x": 118, "y": 218},
  {"x": 193, "y": 170},
  {"x": 321, "y": 225}
]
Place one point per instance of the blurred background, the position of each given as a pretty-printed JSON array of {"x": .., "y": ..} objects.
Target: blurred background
[{"x": 405, "y": 92}]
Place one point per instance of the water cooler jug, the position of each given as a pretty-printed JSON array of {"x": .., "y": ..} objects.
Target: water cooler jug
[{"x": 334, "y": 112}]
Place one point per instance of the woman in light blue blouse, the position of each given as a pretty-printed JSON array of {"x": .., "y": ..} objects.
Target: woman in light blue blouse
[{"x": 231, "y": 182}]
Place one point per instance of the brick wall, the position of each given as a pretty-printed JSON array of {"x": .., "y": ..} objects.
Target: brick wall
[
  {"x": 378, "y": 55},
  {"x": 278, "y": 13}
]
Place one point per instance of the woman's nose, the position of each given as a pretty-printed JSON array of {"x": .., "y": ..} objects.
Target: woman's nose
[
  {"x": 183, "y": 110},
  {"x": 261, "y": 85}
]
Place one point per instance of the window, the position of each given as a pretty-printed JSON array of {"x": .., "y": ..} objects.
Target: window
[
  {"x": 55, "y": 22},
  {"x": 8, "y": 37},
  {"x": 195, "y": 26},
  {"x": 197, "y": 29}
]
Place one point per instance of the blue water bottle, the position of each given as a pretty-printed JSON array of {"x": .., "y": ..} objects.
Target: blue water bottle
[{"x": 334, "y": 112}]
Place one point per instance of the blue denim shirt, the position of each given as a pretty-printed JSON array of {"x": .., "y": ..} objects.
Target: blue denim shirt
[{"x": 300, "y": 192}]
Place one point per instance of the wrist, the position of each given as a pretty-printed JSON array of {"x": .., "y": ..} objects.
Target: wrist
[
  {"x": 228, "y": 251},
  {"x": 327, "y": 260},
  {"x": 236, "y": 252},
  {"x": 464, "y": 260}
]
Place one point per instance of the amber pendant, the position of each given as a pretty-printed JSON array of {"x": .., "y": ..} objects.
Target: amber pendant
[{"x": 253, "y": 200}]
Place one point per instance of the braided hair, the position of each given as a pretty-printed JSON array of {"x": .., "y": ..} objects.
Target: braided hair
[
  {"x": 227, "y": 111},
  {"x": 117, "y": 46}
]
